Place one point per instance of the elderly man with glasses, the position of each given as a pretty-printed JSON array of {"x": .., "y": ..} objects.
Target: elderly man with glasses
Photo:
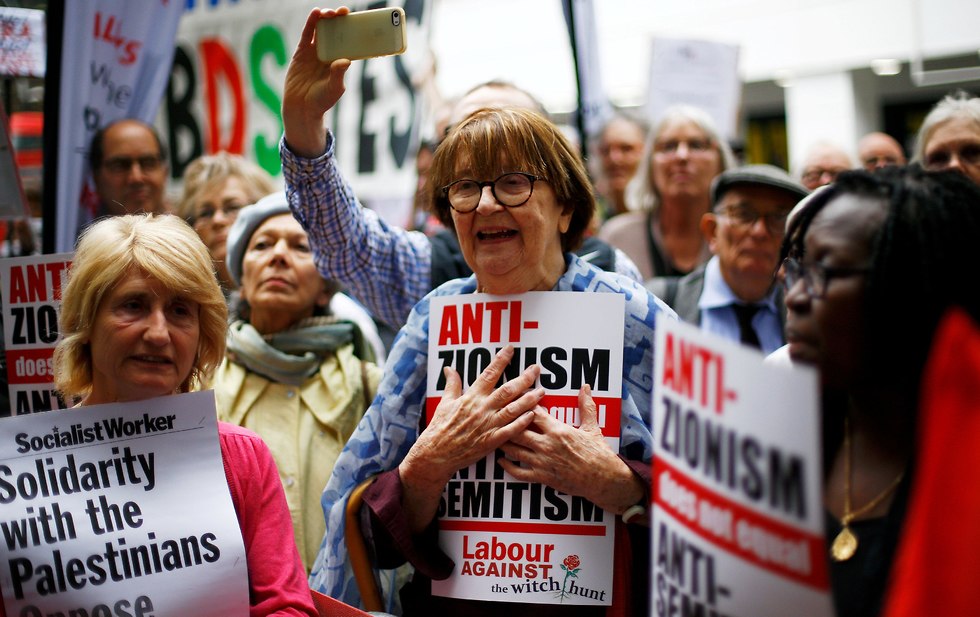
[
  {"x": 733, "y": 295},
  {"x": 129, "y": 167}
]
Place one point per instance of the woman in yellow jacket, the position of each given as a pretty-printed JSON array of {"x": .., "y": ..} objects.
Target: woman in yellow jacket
[{"x": 296, "y": 375}]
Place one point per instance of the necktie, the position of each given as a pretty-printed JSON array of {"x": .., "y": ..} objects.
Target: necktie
[{"x": 745, "y": 313}]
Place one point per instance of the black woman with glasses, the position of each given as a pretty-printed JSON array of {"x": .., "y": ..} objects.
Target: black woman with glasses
[
  {"x": 518, "y": 196},
  {"x": 871, "y": 264}
]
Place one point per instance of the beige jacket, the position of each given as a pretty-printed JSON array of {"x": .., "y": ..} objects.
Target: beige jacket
[{"x": 305, "y": 427}]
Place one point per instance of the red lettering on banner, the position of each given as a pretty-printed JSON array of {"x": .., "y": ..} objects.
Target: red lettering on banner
[
  {"x": 108, "y": 29},
  {"x": 472, "y": 329},
  {"x": 766, "y": 542},
  {"x": 18, "y": 286},
  {"x": 220, "y": 65},
  {"x": 468, "y": 323},
  {"x": 496, "y": 310},
  {"x": 30, "y": 283},
  {"x": 515, "y": 551},
  {"x": 687, "y": 364}
]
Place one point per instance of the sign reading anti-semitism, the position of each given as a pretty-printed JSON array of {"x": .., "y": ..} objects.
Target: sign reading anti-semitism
[
  {"x": 517, "y": 541},
  {"x": 31, "y": 290},
  {"x": 738, "y": 516},
  {"x": 119, "y": 509}
]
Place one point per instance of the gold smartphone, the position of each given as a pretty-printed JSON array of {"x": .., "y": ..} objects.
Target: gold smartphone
[{"x": 360, "y": 35}]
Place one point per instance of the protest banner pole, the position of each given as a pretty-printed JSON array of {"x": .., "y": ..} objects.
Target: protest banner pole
[{"x": 55, "y": 17}]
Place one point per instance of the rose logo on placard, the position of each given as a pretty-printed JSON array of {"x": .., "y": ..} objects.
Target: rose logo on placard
[{"x": 571, "y": 567}]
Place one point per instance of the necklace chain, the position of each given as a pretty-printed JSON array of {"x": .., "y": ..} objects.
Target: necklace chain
[{"x": 845, "y": 544}]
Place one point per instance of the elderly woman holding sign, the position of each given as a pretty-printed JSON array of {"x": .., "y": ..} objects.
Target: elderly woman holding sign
[
  {"x": 519, "y": 198},
  {"x": 143, "y": 316}
]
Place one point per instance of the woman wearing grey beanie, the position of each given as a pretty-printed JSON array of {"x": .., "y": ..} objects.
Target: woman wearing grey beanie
[{"x": 294, "y": 373}]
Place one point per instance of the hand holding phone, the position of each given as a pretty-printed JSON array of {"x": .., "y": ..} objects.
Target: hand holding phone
[{"x": 360, "y": 35}]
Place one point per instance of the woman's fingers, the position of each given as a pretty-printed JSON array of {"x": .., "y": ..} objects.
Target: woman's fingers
[
  {"x": 505, "y": 433},
  {"x": 587, "y": 410},
  {"x": 515, "y": 388},
  {"x": 454, "y": 385},
  {"x": 488, "y": 379},
  {"x": 310, "y": 28}
]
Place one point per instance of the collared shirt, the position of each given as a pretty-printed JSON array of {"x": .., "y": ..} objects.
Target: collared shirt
[
  {"x": 718, "y": 317},
  {"x": 386, "y": 268}
]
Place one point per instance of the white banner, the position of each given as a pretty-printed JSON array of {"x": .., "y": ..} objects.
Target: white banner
[
  {"x": 115, "y": 63},
  {"x": 699, "y": 73},
  {"x": 22, "y": 43},
  {"x": 228, "y": 77},
  {"x": 119, "y": 509},
  {"x": 516, "y": 541},
  {"x": 31, "y": 293},
  {"x": 738, "y": 519}
]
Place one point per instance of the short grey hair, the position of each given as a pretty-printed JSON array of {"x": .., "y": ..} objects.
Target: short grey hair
[{"x": 959, "y": 104}]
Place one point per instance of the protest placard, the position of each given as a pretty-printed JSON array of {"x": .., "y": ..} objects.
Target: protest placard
[
  {"x": 738, "y": 515},
  {"x": 517, "y": 541},
  {"x": 119, "y": 509},
  {"x": 31, "y": 293}
]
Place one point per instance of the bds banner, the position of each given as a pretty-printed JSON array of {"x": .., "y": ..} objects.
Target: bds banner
[
  {"x": 225, "y": 93},
  {"x": 517, "y": 541},
  {"x": 737, "y": 510}
]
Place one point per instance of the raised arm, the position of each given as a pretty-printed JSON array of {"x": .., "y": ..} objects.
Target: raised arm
[{"x": 386, "y": 268}]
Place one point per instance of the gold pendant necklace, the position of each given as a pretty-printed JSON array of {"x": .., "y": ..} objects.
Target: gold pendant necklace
[{"x": 845, "y": 544}]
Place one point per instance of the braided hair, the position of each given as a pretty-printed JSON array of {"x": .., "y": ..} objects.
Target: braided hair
[{"x": 923, "y": 259}]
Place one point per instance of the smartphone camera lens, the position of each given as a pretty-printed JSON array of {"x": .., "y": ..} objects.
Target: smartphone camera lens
[{"x": 396, "y": 19}]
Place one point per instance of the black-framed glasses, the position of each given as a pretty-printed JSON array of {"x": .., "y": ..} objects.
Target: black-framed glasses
[
  {"x": 122, "y": 164},
  {"x": 512, "y": 189},
  {"x": 746, "y": 217},
  {"x": 816, "y": 276}
]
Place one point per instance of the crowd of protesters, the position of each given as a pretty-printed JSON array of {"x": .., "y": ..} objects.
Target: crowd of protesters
[{"x": 827, "y": 267}]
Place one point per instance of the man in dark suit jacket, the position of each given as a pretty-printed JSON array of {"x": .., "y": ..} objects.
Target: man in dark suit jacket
[{"x": 733, "y": 295}]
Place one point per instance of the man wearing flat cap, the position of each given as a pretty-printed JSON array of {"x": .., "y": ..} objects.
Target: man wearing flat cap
[{"x": 733, "y": 295}]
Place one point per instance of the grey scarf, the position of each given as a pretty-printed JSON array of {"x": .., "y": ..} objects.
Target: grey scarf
[{"x": 293, "y": 355}]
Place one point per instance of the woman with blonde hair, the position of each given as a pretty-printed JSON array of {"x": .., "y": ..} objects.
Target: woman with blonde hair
[{"x": 143, "y": 316}]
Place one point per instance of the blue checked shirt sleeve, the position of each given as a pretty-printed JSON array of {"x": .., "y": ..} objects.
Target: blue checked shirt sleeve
[{"x": 388, "y": 269}]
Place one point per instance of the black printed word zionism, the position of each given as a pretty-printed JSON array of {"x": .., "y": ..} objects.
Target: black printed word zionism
[{"x": 48, "y": 479}]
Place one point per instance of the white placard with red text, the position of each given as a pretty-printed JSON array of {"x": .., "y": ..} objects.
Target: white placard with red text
[
  {"x": 31, "y": 290},
  {"x": 738, "y": 516},
  {"x": 513, "y": 541},
  {"x": 119, "y": 509}
]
